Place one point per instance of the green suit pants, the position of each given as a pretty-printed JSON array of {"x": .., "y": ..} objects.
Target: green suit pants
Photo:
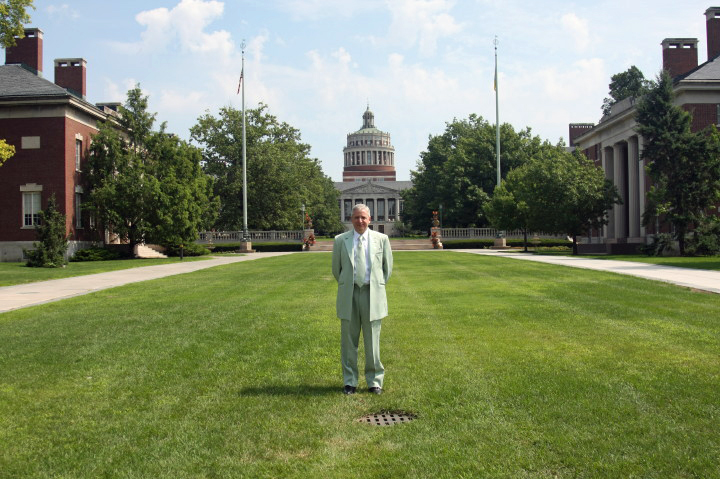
[{"x": 350, "y": 331}]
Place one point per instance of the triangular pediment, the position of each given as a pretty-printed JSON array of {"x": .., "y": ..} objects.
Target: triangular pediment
[{"x": 370, "y": 187}]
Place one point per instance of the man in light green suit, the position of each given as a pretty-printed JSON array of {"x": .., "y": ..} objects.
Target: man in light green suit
[{"x": 362, "y": 264}]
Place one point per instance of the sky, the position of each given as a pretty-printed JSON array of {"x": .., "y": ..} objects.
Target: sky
[{"x": 318, "y": 64}]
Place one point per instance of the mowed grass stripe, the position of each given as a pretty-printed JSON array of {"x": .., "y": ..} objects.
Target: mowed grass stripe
[{"x": 515, "y": 370}]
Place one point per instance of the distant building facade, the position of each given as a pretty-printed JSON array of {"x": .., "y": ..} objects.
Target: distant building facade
[
  {"x": 369, "y": 177},
  {"x": 51, "y": 126},
  {"x": 615, "y": 146}
]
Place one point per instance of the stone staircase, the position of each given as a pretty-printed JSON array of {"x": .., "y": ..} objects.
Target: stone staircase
[
  {"x": 146, "y": 251},
  {"x": 396, "y": 245}
]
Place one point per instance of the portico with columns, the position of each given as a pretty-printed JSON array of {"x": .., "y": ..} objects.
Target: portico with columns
[{"x": 615, "y": 146}]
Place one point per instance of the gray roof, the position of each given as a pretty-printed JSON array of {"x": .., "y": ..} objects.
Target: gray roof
[
  {"x": 16, "y": 83},
  {"x": 708, "y": 71}
]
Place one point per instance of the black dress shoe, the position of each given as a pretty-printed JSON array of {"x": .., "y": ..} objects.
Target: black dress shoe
[
  {"x": 375, "y": 390},
  {"x": 349, "y": 390}
]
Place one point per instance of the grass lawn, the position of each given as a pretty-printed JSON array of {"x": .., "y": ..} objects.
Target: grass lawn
[
  {"x": 18, "y": 273},
  {"x": 515, "y": 370},
  {"x": 700, "y": 262},
  {"x": 694, "y": 262}
]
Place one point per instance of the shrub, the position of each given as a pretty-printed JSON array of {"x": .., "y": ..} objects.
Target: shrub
[
  {"x": 662, "y": 243},
  {"x": 95, "y": 254},
  {"x": 52, "y": 241},
  {"x": 190, "y": 249},
  {"x": 273, "y": 247},
  {"x": 705, "y": 240}
]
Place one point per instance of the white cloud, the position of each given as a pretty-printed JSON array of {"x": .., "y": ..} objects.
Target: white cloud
[
  {"x": 421, "y": 23},
  {"x": 177, "y": 101},
  {"x": 321, "y": 9},
  {"x": 63, "y": 11},
  {"x": 577, "y": 28},
  {"x": 183, "y": 25}
]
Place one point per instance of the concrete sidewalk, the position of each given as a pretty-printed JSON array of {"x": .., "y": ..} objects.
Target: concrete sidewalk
[
  {"x": 23, "y": 295},
  {"x": 692, "y": 278},
  {"x": 31, "y": 294}
]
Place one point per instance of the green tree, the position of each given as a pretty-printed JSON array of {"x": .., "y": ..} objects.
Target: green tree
[
  {"x": 13, "y": 17},
  {"x": 459, "y": 171},
  {"x": 52, "y": 243},
  {"x": 684, "y": 166},
  {"x": 147, "y": 185},
  {"x": 281, "y": 176},
  {"x": 6, "y": 151},
  {"x": 556, "y": 192},
  {"x": 630, "y": 83},
  {"x": 507, "y": 210}
]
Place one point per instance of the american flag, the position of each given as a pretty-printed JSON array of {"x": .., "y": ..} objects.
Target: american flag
[{"x": 240, "y": 82}]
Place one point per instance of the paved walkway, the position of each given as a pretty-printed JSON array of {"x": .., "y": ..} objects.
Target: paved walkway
[
  {"x": 23, "y": 295},
  {"x": 31, "y": 294},
  {"x": 692, "y": 278}
]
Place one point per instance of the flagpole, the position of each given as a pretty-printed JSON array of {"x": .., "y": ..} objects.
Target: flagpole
[
  {"x": 245, "y": 234},
  {"x": 497, "y": 117}
]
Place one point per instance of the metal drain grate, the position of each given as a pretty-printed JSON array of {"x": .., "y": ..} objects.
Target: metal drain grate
[{"x": 387, "y": 418}]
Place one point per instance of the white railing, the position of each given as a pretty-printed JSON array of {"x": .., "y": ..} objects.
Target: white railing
[
  {"x": 207, "y": 237},
  {"x": 461, "y": 233}
]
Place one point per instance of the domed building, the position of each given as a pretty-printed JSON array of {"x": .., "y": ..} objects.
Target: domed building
[
  {"x": 369, "y": 155},
  {"x": 369, "y": 177}
]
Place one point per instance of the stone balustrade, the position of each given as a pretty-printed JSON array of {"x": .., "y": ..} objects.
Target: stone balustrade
[{"x": 218, "y": 237}]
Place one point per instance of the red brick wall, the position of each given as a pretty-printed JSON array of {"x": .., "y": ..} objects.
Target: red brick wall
[
  {"x": 52, "y": 166},
  {"x": 704, "y": 114}
]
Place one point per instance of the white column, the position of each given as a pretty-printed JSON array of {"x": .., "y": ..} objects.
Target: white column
[
  {"x": 620, "y": 169},
  {"x": 641, "y": 184},
  {"x": 633, "y": 192},
  {"x": 607, "y": 161}
]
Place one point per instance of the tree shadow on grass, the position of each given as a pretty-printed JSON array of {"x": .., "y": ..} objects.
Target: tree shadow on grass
[{"x": 291, "y": 390}]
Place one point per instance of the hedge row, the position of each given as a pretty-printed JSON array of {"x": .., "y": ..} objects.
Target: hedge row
[
  {"x": 259, "y": 247},
  {"x": 489, "y": 243}
]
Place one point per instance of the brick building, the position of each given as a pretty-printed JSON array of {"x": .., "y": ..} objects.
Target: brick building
[
  {"x": 615, "y": 146},
  {"x": 51, "y": 126}
]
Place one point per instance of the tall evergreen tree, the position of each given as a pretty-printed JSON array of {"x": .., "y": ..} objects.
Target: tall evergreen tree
[
  {"x": 684, "y": 166},
  {"x": 52, "y": 244}
]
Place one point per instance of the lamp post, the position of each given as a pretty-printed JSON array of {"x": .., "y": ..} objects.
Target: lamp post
[{"x": 302, "y": 221}]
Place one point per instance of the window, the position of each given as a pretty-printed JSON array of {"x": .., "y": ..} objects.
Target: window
[
  {"x": 371, "y": 206},
  {"x": 31, "y": 209},
  {"x": 78, "y": 210},
  {"x": 348, "y": 209},
  {"x": 381, "y": 210},
  {"x": 391, "y": 209},
  {"x": 78, "y": 154}
]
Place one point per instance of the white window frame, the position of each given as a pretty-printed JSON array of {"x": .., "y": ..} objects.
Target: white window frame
[{"x": 34, "y": 198}]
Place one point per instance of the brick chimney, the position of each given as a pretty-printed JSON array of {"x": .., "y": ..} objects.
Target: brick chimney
[
  {"x": 27, "y": 51},
  {"x": 679, "y": 55},
  {"x": 70, "y": 74},
  {"x": 712, "y": 20}
]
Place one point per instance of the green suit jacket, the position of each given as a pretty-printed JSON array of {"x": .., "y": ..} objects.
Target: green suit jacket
[{"x": 381, "y": 262}]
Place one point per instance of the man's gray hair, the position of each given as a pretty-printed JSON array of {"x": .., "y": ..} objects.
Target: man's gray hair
[{"x": 360, "y": 206}]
